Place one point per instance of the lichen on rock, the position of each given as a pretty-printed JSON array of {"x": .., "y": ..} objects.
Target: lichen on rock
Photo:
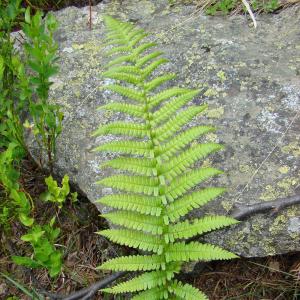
[{"x": 248, "y": 82}]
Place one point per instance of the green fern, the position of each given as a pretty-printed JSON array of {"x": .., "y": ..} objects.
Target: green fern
[{"x": 155, "y": 190}]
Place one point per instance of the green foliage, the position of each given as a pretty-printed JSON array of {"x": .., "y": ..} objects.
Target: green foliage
[
  {"x": 10, "y": 124},
  {"x": 227, "y": 6},
  {"x": 45, "y": 255},
  {"x": 24, "y": 84},
  {"x": 159, "y": 185},
  {"x": 269, "y": 6},
  {"x": 40, "y": 50},
  {"x": 24, "y": 89},
  {"x": 15, "y": 202},
  {"x": 56, "y": 194},
  {"x": 224, "y": 6}
]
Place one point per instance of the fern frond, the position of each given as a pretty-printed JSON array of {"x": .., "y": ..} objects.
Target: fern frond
[
  {"x": 174, "y": 124},
  {"x": 145, "y": 281},
  {"x": 158, "y": 178},
  {"x": 135, "y": 239},
  {"x": 123, "y": 128},
  {"x": 147, "y": 58},
  {"x": 135, "y": 263},
  {"x": 136, "y": 221},
  {"x": 130, "y": 109},
  {"x": 141, "y": 166},
  {"x": 186, "y": 229},
  {"x": 126, "y": 92},
  {"x": 128, "y": 147},
  {"x": 166, "y": 111},
  {"x": 187, "y": 203},
  {"x": 180, "y": 185},
  {"x": 196, "y": 251},
  {"x": 134, "y": 184},
  {"x": 186, "y": 291},
  {"x": 186, "y": 159},
  {"x": 181, "y": 140},
  {"x": 156, "y": 82},
  {"x": 145, "y": 205}
]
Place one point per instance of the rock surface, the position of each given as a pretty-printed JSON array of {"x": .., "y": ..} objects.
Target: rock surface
[{"x": 250, "y": 79}]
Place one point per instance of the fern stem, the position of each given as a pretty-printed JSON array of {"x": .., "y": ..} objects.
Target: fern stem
[{"x": 155, "y": 147}]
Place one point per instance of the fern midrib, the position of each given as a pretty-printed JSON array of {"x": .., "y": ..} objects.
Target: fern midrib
[{"x": 155, "y": 147}]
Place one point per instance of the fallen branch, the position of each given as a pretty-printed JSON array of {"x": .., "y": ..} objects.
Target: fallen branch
[
  {"x": 88, "y": 292},
  {"x": 241, "y": 211}
]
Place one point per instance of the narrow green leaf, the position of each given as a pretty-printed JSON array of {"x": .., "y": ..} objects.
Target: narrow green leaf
[
  {"x": 135, "y": 263},
  {"x": 135, "y": 184},
  {"x": 171, "y": 107},
  {"x": 127, "y": 92},
  {"x": 181, "y": 140},
  {"x": 145, "y": 281},
  {"x": 145, "y": 59},
  {"x": 167, "y": 130},
  {"x": 143, "y": 204},
  {"x": 196, "y": 251},
  {"x": 136, "y": 221},
  {"x": 187, "y": 203},
  {"x": 181, "y": 184},
  {"x": 187, "y": 229},
  {"x": 135, "y": 239},
  {"x": 138, "y": 166},
  {"x": 179, "y": 164},
  {"x": 123, "y": 128},
  {"x": 128, "y": 147},
  {"x": 147, "y": 71}
]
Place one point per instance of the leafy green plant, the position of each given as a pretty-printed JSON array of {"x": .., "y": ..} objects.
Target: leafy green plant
[
  {"x": 157, "y": 189},
  {"x": 58, "y": 194},
  {"x": 45, "y": 255},
  {"x": 40, "y": 50},
  {"x": 16, "y": 202},
  {"x": 11, "y": 129},
  {"x": 24, "y": 85},
  {"x": 225, "y": 6},
  {"x": 270, "y": 6}
]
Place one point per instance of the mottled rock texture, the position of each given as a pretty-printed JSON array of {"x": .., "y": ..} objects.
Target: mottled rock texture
[{"x": 250, "y": 79}]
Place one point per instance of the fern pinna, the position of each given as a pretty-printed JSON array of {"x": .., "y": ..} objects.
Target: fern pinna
[{"x": 156, "y": 179}]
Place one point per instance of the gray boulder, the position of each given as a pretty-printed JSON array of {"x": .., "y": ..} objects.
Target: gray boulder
[{"x": 250, "y": 79}]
